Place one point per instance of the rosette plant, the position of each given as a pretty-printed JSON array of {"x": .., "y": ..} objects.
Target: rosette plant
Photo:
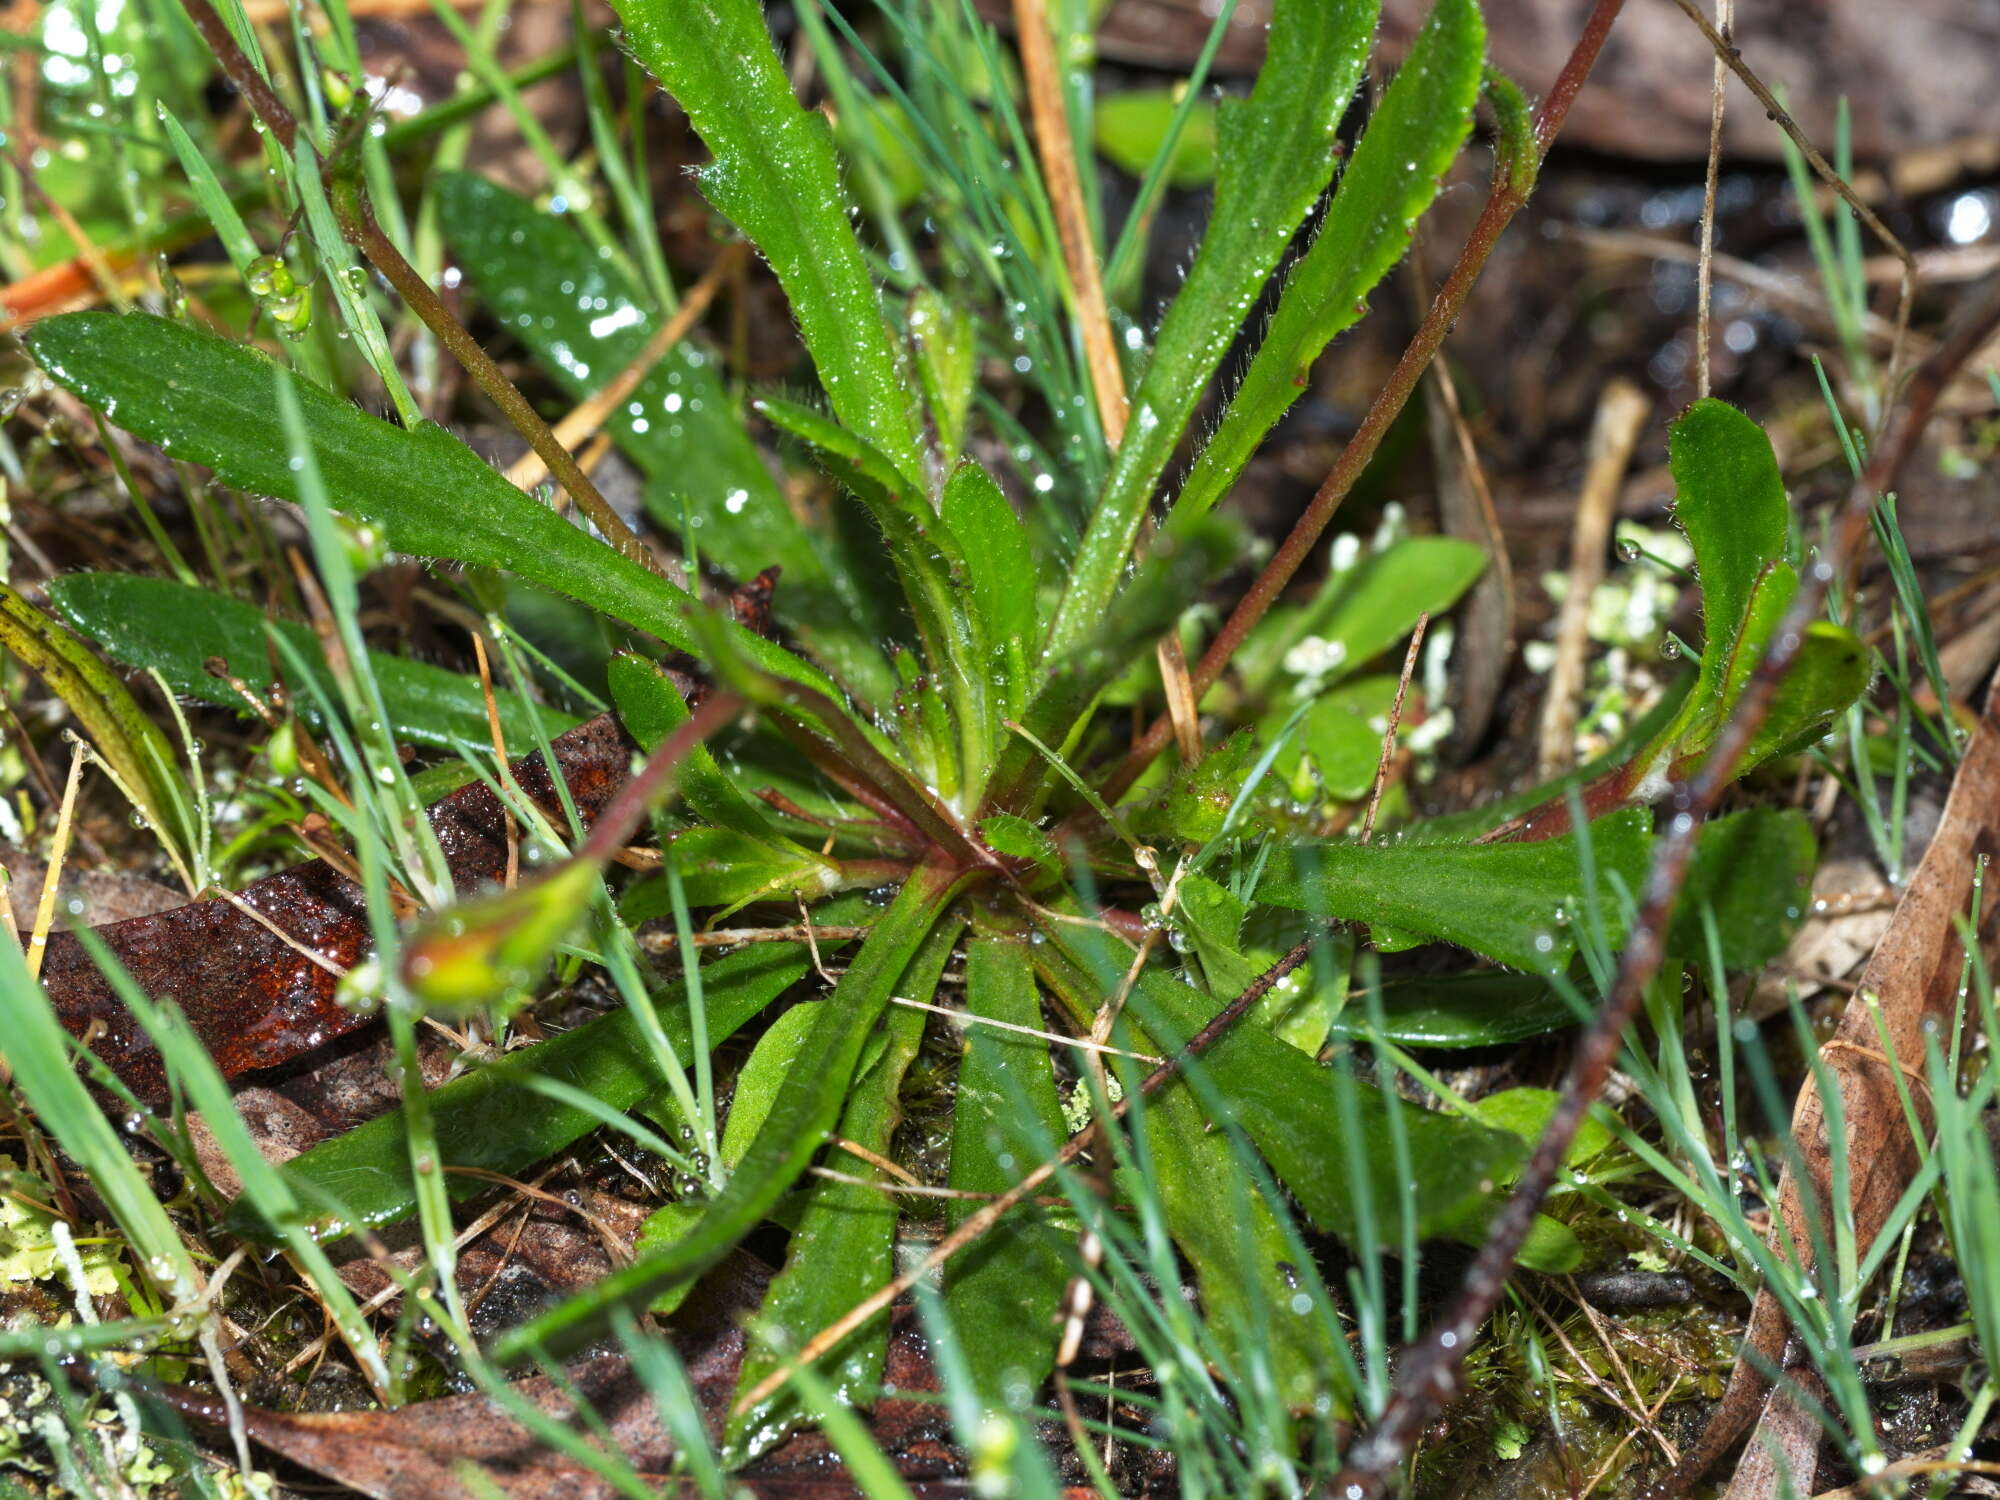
[{"x": 916, "y": 776}]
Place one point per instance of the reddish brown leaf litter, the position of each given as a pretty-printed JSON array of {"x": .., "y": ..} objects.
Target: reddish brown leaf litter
[
  {"x": 425, "y": 1451},
  {"x": 254, "y": 998}
]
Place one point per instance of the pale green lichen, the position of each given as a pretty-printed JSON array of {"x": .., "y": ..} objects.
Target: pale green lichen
[{"x": 28, "y": 1248}]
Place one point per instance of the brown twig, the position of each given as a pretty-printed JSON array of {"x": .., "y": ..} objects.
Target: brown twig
[
  {"x": 1621, "y": 413},
  {"x": 357, "y": 223},
  {"x": 979, "y": 1223},
  {"x": 1428, "y": 1373},
  {"x": 1395, "y": 722},
  {"x": 1057, "y": 150},
  {"x": 1508, "y": 195},
  {"x": 1725, "y": 11},
  {"x": 1732, "y": 55}
]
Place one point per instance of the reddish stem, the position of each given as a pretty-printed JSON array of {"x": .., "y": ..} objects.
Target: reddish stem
[
  {"x": 1509, "y": 193},
  {"x": 1428, "y": 1372}
]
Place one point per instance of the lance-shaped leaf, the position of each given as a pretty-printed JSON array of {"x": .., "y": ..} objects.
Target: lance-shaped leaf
[
  {"x": 650, "y": 707},
  {"x": 1518, "y": 903},
  {"x": 1412, "y": 137},
  {"x": 1003, "y": 1291},
  {"x": 1171, "y": 576},
  {"x": 1000, "y": 568},
  {"x": 176, "y": 629},
  {"x": 587, "y": 319},
  {"x": 800, "y": 1119},
  {"x": 1284, "y": 1101},
  {"x": 1275, "y": 155},
  {"x": 775, "y": 176},
  {"x": 1229, "y": 1233},
  {"x": 928, "y": 561},
  {"x": 212, "y": 402},
  {"x": 1751, "y": 872},
  {"x": 845, "y": 1243},
  {"x": 1360, "y": 610}
]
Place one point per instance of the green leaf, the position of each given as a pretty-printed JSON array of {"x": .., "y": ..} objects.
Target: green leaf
[
  {"x": 1275, "y": 154},
  {"x": 1362, "y": 609},
  {"x": 1830, "y": 672},
  {"x": 1730, "y": 500},
  {"x": 762, "y": 1075},
  {"x": 1017, "y": 838},
  {"x": 1173, "y": 572},
  {"x": 721, "y": 867},
  {"x": 1284, "y": 1101},
  {"x": 1245, "y": 1266},
  {"x": 1003, "y": 1292},
  {"x": 1753, "y": 870},
  {"x": 807, "y": 1107},
  {"x": 1342, "y": 733},
  {"x": 1131, "y": 127},
  {"x": 493, "y": 1118},
  {"x": 947, "y": 350},
  {"x": 650, "y": 707},
  {"x": 587, "y": 319},
  {"x": 1461, "y": 1010},
  {"x": 176, "y": 629},
  {"x": 1412, "y": 137},
  {"x": 1001, "y": 567},
  {"x": 1513, "y": 902},
  {"x": 928, "y": 562},
  {"x": 776, "y": 178},
  {"x": 129, "y": 742},
  {"x": 1526, "y": 1112},
  {"x": 212, "y": 402},
  {"x": 844, "y": 1246}
]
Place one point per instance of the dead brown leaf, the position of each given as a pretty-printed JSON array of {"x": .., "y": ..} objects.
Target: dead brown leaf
[{"x": 1908, "y": 991}]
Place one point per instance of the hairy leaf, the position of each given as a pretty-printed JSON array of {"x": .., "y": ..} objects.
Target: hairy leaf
[
  {"x": 1518, "y": 903},
  {"x": 587, "y": 319},
  {"x": 844, "y": 1245},
  {"x": 1003, "y": 1292},
  {"x": 1752, "y": 870},
  {"x": 1412, "y": 137},
  {"x": 1360, "y": 611},
  {"x": 177, "y": 629},
  {"x": 494, "y": 1119},
  {"x": 805, "y": 1110},
  {"x": 776, "y": 178},
  {"x": 1311, "y": 66},
  {"x": 212, "y": 402},
  {"x": 1730, "y": 500}
]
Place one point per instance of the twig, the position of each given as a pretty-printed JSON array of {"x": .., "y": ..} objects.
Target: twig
[
  {"x": 45, "y": 909},
  {"x": 1725, "y": 12},
  {"x": 1057, "y": 150},
  {"x": 590, "y": 414},
  {"x": 1731, "y": 54},
  {"x": 1780, "y": 285},
  {"x": 1428, "y": 1373},
  {"x": 979, "y": 1223},
  {"x": 1395, "y": 722},
  {"x": 1621, "y": 413},
  {"x": 1182, "y": 705},
  {"x": 968, "y": 1018},
  {"x": 357, "y": 224},
  {"x": 1505, "y": 200}
]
